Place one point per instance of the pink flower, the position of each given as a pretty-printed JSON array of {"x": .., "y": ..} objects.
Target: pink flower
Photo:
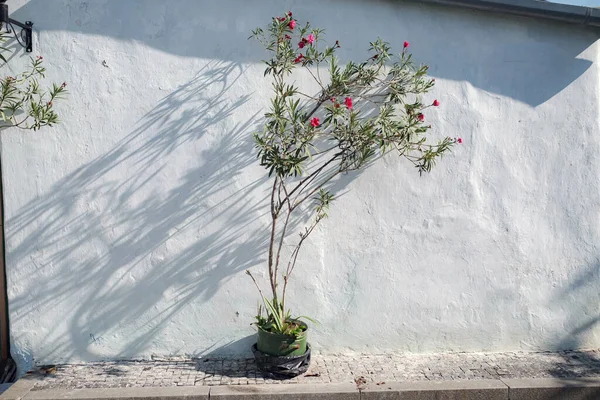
[
  {"x": 40, "y": 58},
  {"x": 421, "y": 117},
  {"x": 311, "y": 38},
  {"x": 459, "y": 140},
  {"x": 301, "y": 44},
  {"x": 292, "y": 24},
  {"x": 64, "y": 85},
  {"x": 315, "y": 122},
  {"x": 406, "y": 45},
  {"x": 299, "y": 58},
  {"x": 332, "y": 99},
  {"x": 290, "y": 13},
  {"x": 281, "y": 19},
  {"x": 436, "y": 103},
  {"x": 348, "y": 102}
]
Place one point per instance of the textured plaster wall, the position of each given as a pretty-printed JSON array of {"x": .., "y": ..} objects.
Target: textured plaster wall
[{"x": 129, "y": 226}]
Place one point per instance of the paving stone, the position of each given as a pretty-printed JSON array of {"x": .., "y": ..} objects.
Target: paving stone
[{"x": 337, "y": 368}]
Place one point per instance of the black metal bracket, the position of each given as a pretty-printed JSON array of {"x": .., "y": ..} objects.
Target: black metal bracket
[
  {"x": 25, "y": 36},
  {"x": 26, "y": 33}
]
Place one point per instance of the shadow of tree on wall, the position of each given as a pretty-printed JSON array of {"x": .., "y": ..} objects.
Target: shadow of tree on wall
[
  {"x": 121, "y": 245},
  {"x": 527, "y": 60},
  {"x": 94, "y": 254}
]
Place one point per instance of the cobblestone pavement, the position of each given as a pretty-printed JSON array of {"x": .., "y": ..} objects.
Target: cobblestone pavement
[{"x": 367, "y": 368}]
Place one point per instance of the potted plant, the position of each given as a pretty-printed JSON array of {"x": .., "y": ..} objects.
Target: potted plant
[{"x": 361, "y": 111}]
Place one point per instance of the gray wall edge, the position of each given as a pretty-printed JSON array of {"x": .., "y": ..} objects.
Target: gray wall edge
[{"x": 585, "y": 16}]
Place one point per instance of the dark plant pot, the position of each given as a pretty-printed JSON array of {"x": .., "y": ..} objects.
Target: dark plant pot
[{"x": 275, "y": 344}]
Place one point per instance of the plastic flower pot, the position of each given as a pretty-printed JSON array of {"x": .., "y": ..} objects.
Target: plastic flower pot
[{"x": 276, "y": 344}]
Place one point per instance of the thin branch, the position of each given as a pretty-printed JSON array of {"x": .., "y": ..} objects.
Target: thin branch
[
  {"x": 325, "y": 151},
  {"x": 272, "y": 276},
  {"x": 316, "y": 172},
  {"x": 283, "y": 232},
  {"x": 297, "y": 203},
  {"x": 318, "y": 62},
  {"x": 314, "y": 110},
  {"x": 316, "y": 79},
  {"x": 256, "y": 284},
  {"x": 294, "y": 255},
  {"x": 306, "y": 95}
]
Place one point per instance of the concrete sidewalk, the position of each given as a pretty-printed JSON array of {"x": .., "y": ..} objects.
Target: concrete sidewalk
[
  {"x": 477, "y": 389},
  {"x": 342, "y": 368},
  {"x": 483, "y": 375}
]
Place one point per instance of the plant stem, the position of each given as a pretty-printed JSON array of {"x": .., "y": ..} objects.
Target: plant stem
[
  {"x": 257, "y": 287},
  {"x": 283, "y": 232},
  {"x": 272, "y": 271},
  {"x": 314, "y": 174},
  {"x": 294, "y": 256},
  {"x": 297, "y": 203}
]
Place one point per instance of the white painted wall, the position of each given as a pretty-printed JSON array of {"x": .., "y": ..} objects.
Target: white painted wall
[{"x": 129, "y": 226}]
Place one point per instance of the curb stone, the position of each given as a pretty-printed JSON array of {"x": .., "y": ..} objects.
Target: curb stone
[
  {"x": 4, "y": 387},
  {"x": 484, "y": 389},
  {"x": 343, "y": 391},
  {"x": 553, "y": 389},
  {"x": 149, "y": 393},
  {"x": 19, "y": 389}
]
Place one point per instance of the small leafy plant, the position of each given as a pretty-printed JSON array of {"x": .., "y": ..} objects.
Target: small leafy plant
[
  {"x": 360, "y": 112},
  {"x": 23, "y": 103}
]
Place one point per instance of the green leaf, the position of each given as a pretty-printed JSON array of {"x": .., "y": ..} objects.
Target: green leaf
[{"x": 314, "y": 321}]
